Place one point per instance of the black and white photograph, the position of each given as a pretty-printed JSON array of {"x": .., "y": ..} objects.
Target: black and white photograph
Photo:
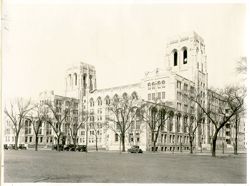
[{"x": 136, "y": 92}]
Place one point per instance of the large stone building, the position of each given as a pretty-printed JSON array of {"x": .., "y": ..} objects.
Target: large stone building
[{"x": 185, "y": 74}]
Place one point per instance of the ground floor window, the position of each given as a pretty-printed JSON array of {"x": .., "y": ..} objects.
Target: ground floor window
[
  {"x": 30, "y": 139},
  {"x": 116, "y": 137}
]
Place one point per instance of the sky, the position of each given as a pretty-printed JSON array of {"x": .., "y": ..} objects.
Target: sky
[{"x": 122, "y": 41}]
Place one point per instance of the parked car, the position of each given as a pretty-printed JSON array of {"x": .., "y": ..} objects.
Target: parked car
[
  {"x": 135, "y": 149},
  {"x": 69, "y": 147},
  {"x": 11, "y": 146},
  {"x": 54, "y": 147},
  {"x": 5, "y": 146},
  {"x": 22, "y": 147},
  {"x": 81, "y": 148}
]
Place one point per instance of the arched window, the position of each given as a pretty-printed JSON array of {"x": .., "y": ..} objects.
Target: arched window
[
  {"x": 175, "y": 58},
  {"x": 153, "y": 85},
  {"x": 124, "y": 95},
  {"x": 70, "y": 80},
  {"x": 91, "y": 102},
  {"x": 75, "y": 76},
  {"x": 116, "y": 98},
  {"x": 185, "y": 56},
  {"x": 107, "y": 100},
  {"x": 163, "y": 84},
  {"x": 159, "y": 84},
  {"x": 99, "y": 101},
  {"x": 134, "y": 95}
]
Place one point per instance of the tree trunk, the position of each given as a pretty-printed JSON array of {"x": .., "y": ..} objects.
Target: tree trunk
[
  {"x": 16, "y": 140},
  {"x": 58, "y": 141},
  {"x": 154, "y": 146},
  {"x": 36, "y": 143},
  {"x": 74, "y": 142},
  {"x": 191, "y": 146},
  {"x": 96, "y": 147},
  {"x": 123, "y": 142},
  {"x": 223, "y": 151},
  {"x": 236, "y": 136},
  {"x": 214, "y": 143},
  {"x": 152, "y": 140}
]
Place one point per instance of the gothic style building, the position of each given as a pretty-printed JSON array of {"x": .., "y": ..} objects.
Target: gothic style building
[{"x": 185, "y": 74}]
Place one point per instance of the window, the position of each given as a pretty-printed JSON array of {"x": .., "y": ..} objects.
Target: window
[
  {"x": 149, "y": 96},
  {"x": 185, "y": 56},
  {"x": 116, "y": 137},
  {"x": 91, "y": 102},
  {"x": 41, "y": 139},
  {"x": 107, "y": 100},
  {"x": 175, "y": 58},
  {"x": 131, "y": 139},
  {"x": 179, "y": 96},
  {"x": 159, "y": 95},
  {"x": 163, "y": 84},
  {"x": 153, "y": 96},
  {"x": 178, "y": 85},
  {"x": 192, "y": 89},
  {"x": 163, "y": 95},
  {"x": 30, "y": 139},
  {"x": 159, "y": 84},
  {"x": 75, "y": 78},
  {"x": 149, "y": 86},
  {"x": 153, "y": 85},
  {"x": 26, "y": 139},
  {"x": 178, "y": 106},
  {"x": 185, "y": 108},
  {"x": 185, "y": 86},
  {"x": 99, "y": 101}
]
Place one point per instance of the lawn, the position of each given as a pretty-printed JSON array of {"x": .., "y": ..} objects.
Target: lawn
[{"x": 52, "y": 166}]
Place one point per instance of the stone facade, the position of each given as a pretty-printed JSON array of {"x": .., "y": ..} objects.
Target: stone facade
[{"x": 185, "y": 74}]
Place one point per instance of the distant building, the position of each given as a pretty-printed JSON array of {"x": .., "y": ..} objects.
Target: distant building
[{"x": 185, "y": 74}]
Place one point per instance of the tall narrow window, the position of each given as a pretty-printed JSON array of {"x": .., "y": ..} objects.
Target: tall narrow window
[
  {"x": 175, "y": 58},
  {"x": 75, "y": 79},
  {"x": 185, "y": 56}
]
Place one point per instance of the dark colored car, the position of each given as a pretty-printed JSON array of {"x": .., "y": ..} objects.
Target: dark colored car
[
  {"x": 69, "y": 147},
  {"x": 54, "y": 147},
  {"x": 22, "y": 147},
  {"x": 81, "y": 148},
  {"x": 5, "y": 146},
  {"x": 135, "y": 149},
  {"x": 11, "y": 146}
]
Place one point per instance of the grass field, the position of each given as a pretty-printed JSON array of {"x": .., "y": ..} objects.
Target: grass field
[{"x": 52, "y": 166}]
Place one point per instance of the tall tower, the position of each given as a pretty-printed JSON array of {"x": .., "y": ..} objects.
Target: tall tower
[
  {"x": 186, "y": 56},
  {"x": 80, "y": 80}
]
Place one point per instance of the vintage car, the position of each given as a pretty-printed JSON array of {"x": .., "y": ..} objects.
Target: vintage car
[
  {"x": 54, "y": 147},
  {"x": 81, "y": 148},
  {"x": 135, "y": 149},
  {"x": 69, "y": 147},
  {"x": 22, "y": 147}
]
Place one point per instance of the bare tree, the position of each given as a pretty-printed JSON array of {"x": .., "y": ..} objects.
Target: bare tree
[
  {"x": 56, "y": 120},
  {"x": 122, "y": 114},
  {"x": 155, "y": 115},
  {"x": 96, "y": 128},
  {"x": 74, "y": 122},
  {"x": 37, "y": 117},
  {"x": 17, "y": 113},
  {"x": 231, "y": 100},
  {"x": 192, "y": 127}
]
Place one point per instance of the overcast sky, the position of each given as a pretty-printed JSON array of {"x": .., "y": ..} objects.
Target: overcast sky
[{"x": 121, "y": 41}]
